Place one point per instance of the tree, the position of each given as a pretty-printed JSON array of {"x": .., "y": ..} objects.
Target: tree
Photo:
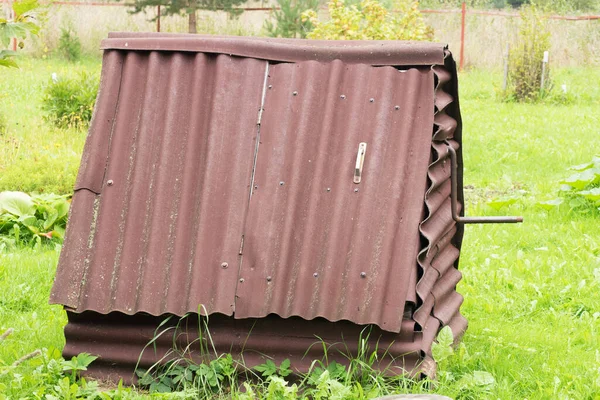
[
  {"x": 17, "y": 27},
  {"x": 288, "y": 19},
  {"x": 370, "y": 21},
  {"x": 189, "y": 7}
]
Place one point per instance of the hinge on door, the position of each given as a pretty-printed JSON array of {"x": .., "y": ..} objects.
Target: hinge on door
[
  {"x": 260, "y": 113},
  {"x": 241, "y": 246}
]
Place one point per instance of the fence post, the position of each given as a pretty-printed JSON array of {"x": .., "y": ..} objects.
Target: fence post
[
  {"x": 544, "y": 62},
  {"x": 462, "y": 36},
  {"x": 158, "y": 18},
  {"x": 506, "y": 55}
]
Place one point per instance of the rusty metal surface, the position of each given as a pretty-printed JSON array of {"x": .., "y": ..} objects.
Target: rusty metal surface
[
  {"x": 178, "y": 205},
  {"x": 161, "y": 194},
  {"x": 316, "y": 243},
  {"x": 391, "y": 52},
  {"x": 251, "y": 341}
]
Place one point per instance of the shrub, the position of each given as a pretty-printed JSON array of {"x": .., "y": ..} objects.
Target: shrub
[
  {"x": 582, "y": 187},
  {"x": 69, "y": 102},
  {"x": 526, "y": 56},
  {"x": 370, "y": 21},
  {"x": 69, "y": 44},
  {"x": 288, "y": 19},
  {"x": 29, "y": 220}
]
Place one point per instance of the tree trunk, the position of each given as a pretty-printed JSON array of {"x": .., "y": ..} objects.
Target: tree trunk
[{"x": 192, "y": 17}]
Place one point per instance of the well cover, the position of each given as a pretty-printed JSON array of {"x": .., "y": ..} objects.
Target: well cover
[{"x": 284, "y": 187}]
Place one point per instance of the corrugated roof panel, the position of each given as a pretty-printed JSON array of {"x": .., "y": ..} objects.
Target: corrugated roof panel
[
  {"x": 319, "y": 244},
  {"x": 178, "y": 205},
  {"x": 174, "y": 190}
]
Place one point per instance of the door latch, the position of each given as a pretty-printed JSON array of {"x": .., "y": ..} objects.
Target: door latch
[{"x": 360, "y": 160}]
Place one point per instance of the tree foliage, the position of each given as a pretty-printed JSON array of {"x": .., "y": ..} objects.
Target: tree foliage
[
  {"x": 288, "y": 21},
  {"x": 370, "y": 21},
  {"x": 18, "y": 27},
  {"x": 188, "y": 7}
]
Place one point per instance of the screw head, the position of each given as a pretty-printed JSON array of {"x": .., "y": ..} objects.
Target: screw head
[
  {"x": 371, "y": 100},
  {"x": 269, "y": 279},
  {"x": 241, "y": 280},
  {"x": 343, "y": 96},
  {"x": 255, "y": 187},
  {"x": 315, "y": 274},
  {"x": 224, "y": 265},
  {"x": 396, "y": 107},
  {"x": 329, "y": 189},
  {"x": 110, "y": 182},
  {"x": 270, "y": 86},
  {"x": 281, "y": 183},
  {"x": 363, "y": 274},
  {"x": 295, "y": 93},
  {"x": 356, "y": 190}
]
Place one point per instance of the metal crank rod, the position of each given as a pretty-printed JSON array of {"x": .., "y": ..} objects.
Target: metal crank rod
[{"x": 454, "y": 201}]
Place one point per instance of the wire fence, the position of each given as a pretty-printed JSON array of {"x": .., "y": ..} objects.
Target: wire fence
[{"x": 479, "y": 35}]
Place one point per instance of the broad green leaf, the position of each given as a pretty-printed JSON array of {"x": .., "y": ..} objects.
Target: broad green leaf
[
  {"x": 582, "y": 179},
  {"x": 483, "y": 379},
  {"x": 16, "y": 203},
  {"x": 50, "y": 220},
  {"x": 549, "y": 204},
  {"x": 582, "y": 167},
  {"x": 442, "y": 348},
  {"x": 592, "y": 194},
  {"x": 497, "y": 204},
  {"x": 21, "y": 7},
  {"x": 7, "y": 62}
]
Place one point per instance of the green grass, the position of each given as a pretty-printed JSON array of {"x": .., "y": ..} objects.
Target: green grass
[
  {"x": 35, "y": 156},
  {"x": 531, "y": 290}
]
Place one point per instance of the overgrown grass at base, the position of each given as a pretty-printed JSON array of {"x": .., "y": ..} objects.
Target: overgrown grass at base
[{"x": 531, "y": 290}]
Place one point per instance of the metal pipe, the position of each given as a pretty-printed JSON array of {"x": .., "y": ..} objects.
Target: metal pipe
[
  {"x": 454, "y": 200},
  {"x": 463, "y": 10}
]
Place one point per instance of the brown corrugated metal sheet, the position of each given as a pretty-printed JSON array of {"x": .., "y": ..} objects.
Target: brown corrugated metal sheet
[
  {"x": 317, "y": 243},
  {"x": 218, "y": 178},
  {"x": 249, "y": 340},
  {"x": 161, "y": 194}
]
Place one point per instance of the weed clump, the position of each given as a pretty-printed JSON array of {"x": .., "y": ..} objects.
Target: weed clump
[
  {"x": 69, "y": 44},
  {"x": 69, "y": 102},
  {"x": 525, "y": 71}
]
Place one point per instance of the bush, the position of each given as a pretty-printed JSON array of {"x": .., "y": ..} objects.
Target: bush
[
  {"x": 69, "y": 45},
  {"x": 526, "y": 56},
  {"x": 32, "y": 220},
  {"x": 69, "y": 102},
  {"x": 288, "y": 19},
  {"x": 582, "y": 188},
  {"x": 370, "y": 21}
]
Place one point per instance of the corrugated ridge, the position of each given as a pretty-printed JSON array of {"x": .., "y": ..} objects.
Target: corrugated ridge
[
  {"x": 315, "y": 237},
  {"x": 250, "y": 341},
  {"x": 438, "y": 301},
  {"x": 371, "y": 52},
  {"x": 174, "y": 192}
]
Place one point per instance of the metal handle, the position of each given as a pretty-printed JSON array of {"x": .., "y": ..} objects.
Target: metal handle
[
  {"x": 360, "y": 160},
  {"x": 454, "y": 201}
]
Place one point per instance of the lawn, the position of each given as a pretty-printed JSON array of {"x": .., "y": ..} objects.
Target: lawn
[{"x": 531, "y": 290}]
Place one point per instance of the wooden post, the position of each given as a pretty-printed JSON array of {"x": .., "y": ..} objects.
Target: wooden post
[
  {"x": 462, "y": 36},
  {"x": 505, "y": 82},
  {"x": 544, "y": 63},
  {"x": 158, "y": 18}
]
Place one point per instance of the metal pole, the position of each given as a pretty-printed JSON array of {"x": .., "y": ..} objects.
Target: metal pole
[
  {"x": 462, "y": 35},
  {"x": 454, "y": 200},
  {"x": 158, "y": 18}
]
